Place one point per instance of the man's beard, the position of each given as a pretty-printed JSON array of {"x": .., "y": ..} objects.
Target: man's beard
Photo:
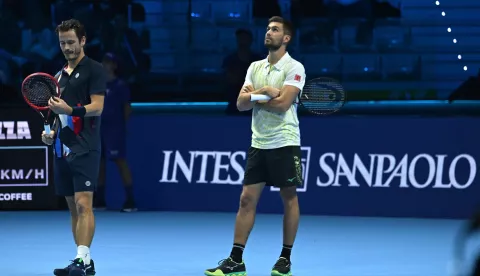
[
  {"x": 72, "y": 56},
  {"x": 273, "y": 47}
]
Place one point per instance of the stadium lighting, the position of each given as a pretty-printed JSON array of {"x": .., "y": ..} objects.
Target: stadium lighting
[{"x": 449, "y": 30}]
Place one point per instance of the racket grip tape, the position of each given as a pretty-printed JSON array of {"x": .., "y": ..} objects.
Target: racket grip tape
[
  {"x": 47, "y": 128},
  {"x": 258, "y": 97}
]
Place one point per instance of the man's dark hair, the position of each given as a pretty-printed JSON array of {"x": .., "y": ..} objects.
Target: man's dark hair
[
  {"x": 287, "y": 25},
  {"x": 72, "y": 24}
]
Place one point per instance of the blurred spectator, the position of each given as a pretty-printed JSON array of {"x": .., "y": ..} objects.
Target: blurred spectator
[
  {"x": 95, "y": 15},
  {"x": 10, "y": 33},
  {"x": 126, "y": 44},
  {"x": 337, "y": 10},
  {"x": 468, "y": 90},
  {"x": 266, "y": 8},
  {"x": 120, "y": 6},
  {"x": 65, "y": 9},
  {"x": 236, "y": 65},
  {"x": 10, "y": 45},
  {"x": 116, "y": 113},
  {"x": 37, "y": 16},
  {"x": 42, "y": 51}
]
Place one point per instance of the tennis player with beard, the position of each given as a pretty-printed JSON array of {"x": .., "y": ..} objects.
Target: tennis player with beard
[
  {"x": 274, "y": 158},
  {"x": 76, "y": 139}
]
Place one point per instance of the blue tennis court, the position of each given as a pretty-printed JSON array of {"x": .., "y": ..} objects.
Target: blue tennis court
[{"x": 158, "y": 243}]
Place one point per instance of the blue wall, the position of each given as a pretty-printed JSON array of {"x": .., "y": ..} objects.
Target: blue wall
[{"x": 365, "y": 166}]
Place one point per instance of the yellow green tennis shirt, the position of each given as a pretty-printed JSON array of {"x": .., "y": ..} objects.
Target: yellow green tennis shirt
[{"x": 272, "y": 130}]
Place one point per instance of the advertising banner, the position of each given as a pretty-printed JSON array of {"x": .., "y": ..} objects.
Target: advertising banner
[
  {"x": 361, "y": 166},
  {"x": 25, "y": 162}
]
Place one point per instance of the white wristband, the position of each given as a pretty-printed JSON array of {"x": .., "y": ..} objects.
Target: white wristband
[{"x": 259, "y": 97}]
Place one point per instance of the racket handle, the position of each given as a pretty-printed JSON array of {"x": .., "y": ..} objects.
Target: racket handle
[
  {"x": 258, "y": 97},
  {"x": 47, "y": 128}
]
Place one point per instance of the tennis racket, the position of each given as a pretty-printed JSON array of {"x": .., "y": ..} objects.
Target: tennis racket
[
  {"x": 37, "y": 90},
  {"x": 320, "y": 96}
]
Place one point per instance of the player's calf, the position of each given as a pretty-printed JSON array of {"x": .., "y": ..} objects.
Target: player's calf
[
  {"x": 85, "y": 226},
  {"x": 291, "y": 216}
]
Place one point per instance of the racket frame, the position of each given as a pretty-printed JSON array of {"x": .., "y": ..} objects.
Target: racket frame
[{"x": 40, "y": 109}]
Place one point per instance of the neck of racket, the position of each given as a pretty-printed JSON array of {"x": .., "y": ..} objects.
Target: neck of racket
[{"x": 56, "y": 124}]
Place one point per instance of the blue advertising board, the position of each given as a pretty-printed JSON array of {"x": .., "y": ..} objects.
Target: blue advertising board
[
  {"x": 26, "y": 181},
  {"x": 357, "y": 166}
]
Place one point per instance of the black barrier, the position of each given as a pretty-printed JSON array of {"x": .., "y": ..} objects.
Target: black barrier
[{"x": 26, "y": 173}]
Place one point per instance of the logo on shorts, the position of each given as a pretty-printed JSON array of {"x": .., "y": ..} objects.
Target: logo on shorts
[
  {"x": 298, "y": 169},
  {"x": 302, "y": 165},
  {"x": 88, "y": 183}
]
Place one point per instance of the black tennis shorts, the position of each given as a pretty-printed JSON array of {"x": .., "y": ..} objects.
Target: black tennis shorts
[
  {"x": 281, "y": 167},
  {"x": 77, "y": 173}
]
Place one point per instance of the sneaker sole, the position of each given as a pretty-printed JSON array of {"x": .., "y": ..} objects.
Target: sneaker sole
[
  {"x": 65, "y": 273},
  {"x": 219, "y": 273},
  {"x": 276, "y": 273},
  {"x": 76, "y": 273}
]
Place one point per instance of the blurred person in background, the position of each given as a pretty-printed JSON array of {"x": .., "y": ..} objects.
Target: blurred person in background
[
  {"x": 115, "y": 115},
  {"x": 128, "y": 46},
  {"x": 468, "y": 90},
  {"x": 96, "y": 15},
  {"x": 235, "y": 67},
  {"x": 10, "y": 46}
]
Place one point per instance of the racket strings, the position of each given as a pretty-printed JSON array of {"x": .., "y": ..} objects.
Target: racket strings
[
  {"x": 322, "y": 96},
  {"x": 38, "y": 90}
]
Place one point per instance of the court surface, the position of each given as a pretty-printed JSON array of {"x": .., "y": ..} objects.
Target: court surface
[{"x": 184, "y": 244}]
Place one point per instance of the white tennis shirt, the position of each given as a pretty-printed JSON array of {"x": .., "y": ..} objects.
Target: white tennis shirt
[{"x": 272, "y": 130}]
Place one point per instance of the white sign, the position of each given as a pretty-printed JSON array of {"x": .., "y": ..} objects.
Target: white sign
[{"x": 11, "y": 130}]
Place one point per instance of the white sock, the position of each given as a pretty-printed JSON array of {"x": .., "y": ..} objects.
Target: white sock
[{"x": 83, "y": 252}]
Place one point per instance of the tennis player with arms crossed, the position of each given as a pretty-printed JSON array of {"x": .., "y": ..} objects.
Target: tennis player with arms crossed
[
  {"x": 76, "y": 139},
  {"x": 274, "y": 156}
]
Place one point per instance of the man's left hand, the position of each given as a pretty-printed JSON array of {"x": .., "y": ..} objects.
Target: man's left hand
[{"x": 59, "y": 106}]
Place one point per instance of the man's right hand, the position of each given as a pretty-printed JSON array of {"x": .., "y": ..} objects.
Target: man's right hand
[
  {"x": 272, "y": 92},
  {"x": 47, "y": 139}
]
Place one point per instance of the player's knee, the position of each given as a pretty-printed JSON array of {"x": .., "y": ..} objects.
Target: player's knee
[
  {"x": 289, "y": 195},
  {"x": 83, "y": 204},
  {"x": 247, "y": 201},
  {"x": 83, "y": 209}
]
